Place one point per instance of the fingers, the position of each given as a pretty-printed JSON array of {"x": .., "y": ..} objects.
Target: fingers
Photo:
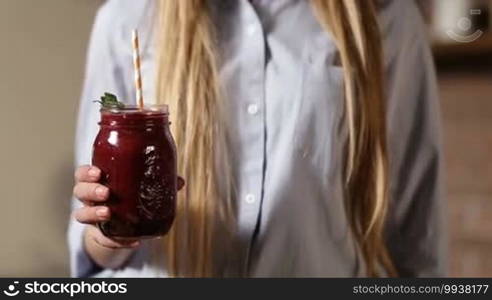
[
  {"x": 106, "y": 242},
  {"x": 87, "y": 174},
  {"x": 181, "y": 182},
  {"x": 92, "y": 214},
  {"x": 90, "y": 192}
]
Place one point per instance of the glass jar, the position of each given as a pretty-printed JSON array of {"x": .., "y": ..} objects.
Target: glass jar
[{"x": 137, "y": 156}]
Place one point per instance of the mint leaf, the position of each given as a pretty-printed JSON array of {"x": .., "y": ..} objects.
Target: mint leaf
[{"x": 109, "y": 100}]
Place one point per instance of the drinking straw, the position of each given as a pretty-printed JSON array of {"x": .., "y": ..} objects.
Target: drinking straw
[{"x": 136, "y": 65}]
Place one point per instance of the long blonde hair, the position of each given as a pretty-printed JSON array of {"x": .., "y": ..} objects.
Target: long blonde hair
[{"x": 188, "y": 82}]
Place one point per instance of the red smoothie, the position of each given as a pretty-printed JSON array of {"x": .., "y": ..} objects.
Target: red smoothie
[{"x": 137, "y": 156}]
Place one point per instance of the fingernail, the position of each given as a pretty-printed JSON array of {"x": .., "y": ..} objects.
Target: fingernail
[
  {"x": 93, "y": 172},
  {"x": 101, "y": 191},
  {"x": 102, "y": 212}
]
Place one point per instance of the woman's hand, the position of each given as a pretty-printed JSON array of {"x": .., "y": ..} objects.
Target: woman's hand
[
  {"x": 92, "y": 195},
  {"x": 105, "y": 252}
]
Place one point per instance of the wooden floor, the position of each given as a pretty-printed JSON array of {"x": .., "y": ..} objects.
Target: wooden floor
[{"x": 466, "y": 100}]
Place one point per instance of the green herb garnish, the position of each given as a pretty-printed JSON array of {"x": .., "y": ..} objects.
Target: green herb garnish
[{"x": 110, "y": 101}]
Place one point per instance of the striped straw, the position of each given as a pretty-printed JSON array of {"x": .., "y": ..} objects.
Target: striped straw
[{"x": 136, "y": 65}]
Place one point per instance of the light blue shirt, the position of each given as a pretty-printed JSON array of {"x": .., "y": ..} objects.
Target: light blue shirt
[{"x": 284, "y": 96}]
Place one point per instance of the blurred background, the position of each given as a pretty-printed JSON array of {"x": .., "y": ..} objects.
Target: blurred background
[{"x": 42, "y": 60}]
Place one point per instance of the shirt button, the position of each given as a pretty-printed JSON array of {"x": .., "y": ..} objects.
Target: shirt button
[
  {"x": 251, "y": 29},
  {"x": 250, "y": 198},
  {"x": 252, "y": 109}
]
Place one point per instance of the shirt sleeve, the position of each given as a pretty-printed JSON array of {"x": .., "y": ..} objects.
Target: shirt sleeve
[
  {"x": 415, "y": 229},
  {"x": 103, "y": 74}
]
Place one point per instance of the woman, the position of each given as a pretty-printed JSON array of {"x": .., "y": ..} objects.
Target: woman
[{"x": 307, "y": 132}]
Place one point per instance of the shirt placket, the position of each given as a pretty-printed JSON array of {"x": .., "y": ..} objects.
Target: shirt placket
[{"x": 252, "y": 106}]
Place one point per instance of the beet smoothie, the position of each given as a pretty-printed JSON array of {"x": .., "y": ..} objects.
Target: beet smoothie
[{"x": 137, "y": 156}]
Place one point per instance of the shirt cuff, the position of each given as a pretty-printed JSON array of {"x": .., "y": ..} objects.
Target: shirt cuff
[{"x": 81, "y": 265}]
